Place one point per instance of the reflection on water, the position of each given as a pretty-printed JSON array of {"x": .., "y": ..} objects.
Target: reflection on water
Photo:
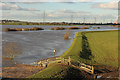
[{"x": 40, "y": 44}]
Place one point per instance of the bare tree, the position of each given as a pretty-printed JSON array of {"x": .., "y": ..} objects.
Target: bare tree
[
  {"x": 66, "y": 35},
  {"x": 11, "y": 49}
]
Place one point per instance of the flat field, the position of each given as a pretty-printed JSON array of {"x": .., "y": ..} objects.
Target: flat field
[{"x": 95, "y": 48}]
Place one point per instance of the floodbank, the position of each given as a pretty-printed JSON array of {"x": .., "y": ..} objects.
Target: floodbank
[{"x": 93, "y": 48}]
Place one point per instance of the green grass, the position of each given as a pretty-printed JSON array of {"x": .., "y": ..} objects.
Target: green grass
[
  {"x": 103, "y": 46},
  {"x": 51, "y": 72},
  {"x": 58, "y": 71}
]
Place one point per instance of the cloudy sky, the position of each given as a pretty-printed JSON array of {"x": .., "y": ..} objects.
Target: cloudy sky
[{"x": 59, "y": 10}]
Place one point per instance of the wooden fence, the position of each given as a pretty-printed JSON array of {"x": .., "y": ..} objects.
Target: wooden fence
[
  {"x": 45, "y": 63},
  {"x": 87, "y": 68}
]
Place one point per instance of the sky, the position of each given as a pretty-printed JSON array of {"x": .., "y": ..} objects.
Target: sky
[{"x": 60, "y": 11}]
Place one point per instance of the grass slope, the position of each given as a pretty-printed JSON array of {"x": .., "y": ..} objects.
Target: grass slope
[
  {"x": 60, "y": 71},
  {"x": 95, "y": 48}
]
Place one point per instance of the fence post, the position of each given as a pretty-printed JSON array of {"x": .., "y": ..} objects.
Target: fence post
[
  {"x": 46, "y": 64},
  {"x": 95, "y": 76},
  {"x": 69, "y": 61},
  {"x": 92, "y": 70},
  {"x": 41, "y": 64},
  {"x": 63, "y": 60}
]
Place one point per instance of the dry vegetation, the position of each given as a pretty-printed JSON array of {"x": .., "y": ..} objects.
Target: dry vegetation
[
  {"x": 66, "y": 35},
  {"x": 52, "y": 28},
  {"x": 18, "y": 29},
  {"x": 74, "y": 27},
  {"x": 24, "y": 29},
  {"x": 84, "y": 28},
  {"x": 37, "y": 28},
  {"x": 60, "y": 28}
]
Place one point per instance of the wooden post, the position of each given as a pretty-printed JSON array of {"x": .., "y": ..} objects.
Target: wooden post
[
  {"x": 69, "y": 60},
  {"x": 95, "y": 76},
  {"x": 63, "y": 61},
  {"x": 92, "y": 70},
  {"x": 46, "y": 63},
  {"x": 41, "y": 64}
]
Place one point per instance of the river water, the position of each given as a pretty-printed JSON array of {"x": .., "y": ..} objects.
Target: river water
[{"x": 38, "y": 45}]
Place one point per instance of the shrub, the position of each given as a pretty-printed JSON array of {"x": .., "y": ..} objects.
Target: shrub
[
  {"x": 18, "y": 29},
  {"x": 7, "y": 29},
  {"x": 52, "y": 28},
  {"x": 26, "y": 29},
  {"x": 98, "y": 27},
  {"x": 90, "y": 26},
  {"x": 84, "y": 28},
  {"x": 41, "y": 29},
  {"x": 73, "y": 27},
  {"x": 57, "y": 28},
  {"x": 60, "y": 28},
  {"x": 37, "y": 28},
  {"x": 13, "y": 29},
  {"x": 66, "y": 35},
  {"x": 31, "y": 29}
]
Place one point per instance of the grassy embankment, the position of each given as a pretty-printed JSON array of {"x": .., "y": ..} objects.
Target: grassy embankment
[
  {"x": 58, "y": 71},
  {"x": 95, "y": 48}
]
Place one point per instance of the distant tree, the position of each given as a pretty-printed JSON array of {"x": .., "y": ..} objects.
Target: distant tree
[{"x": 11, "y": 49}]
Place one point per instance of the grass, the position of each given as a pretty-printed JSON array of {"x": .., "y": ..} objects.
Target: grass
[
  {"x": 60, "y": 71},
  {"x": 50, "y": 72},
  {"x": 95, "y": 48}
]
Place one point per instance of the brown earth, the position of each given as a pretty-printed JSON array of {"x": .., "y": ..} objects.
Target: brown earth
[
  {"x": 20, "y": 71},
  {"x": 106, "y": 72}
]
